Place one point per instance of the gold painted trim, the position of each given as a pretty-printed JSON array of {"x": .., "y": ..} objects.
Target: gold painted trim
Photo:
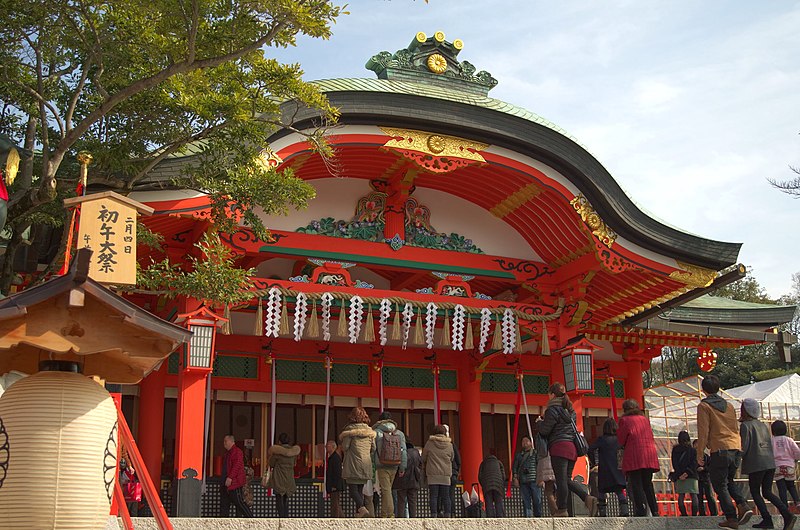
[
  {"x": 648, "y": 305},
  {"x": 693, "y": 276},
  {"x": 267, "y": 159},
  {"x": 593, "y": 221},
  {"x": 515, "y": 200},
  {"x": 438, "y": 145}
]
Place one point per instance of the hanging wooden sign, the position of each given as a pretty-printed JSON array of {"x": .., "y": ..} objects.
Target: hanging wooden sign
[{"x": 108, "y": 228}]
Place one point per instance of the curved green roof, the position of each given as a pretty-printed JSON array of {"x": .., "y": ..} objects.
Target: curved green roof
[{"x": 354, "y": 84}]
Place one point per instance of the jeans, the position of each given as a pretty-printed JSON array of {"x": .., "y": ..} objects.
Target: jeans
[
  {"x": 562, "y": 468},
  {"x": 707, "y": 493},
  {"x": 406, "y": 498},
  {"x": 436, "y": 493},
  {"x": 494, "y": 503},
  {"x": 761, "y": 482},
  {"x": 722, "y": 467},
  {"x": 282, "y": 502},
  {"x": 385, "y": 478},
  {"x": 682, "y": 503},
  {"x": 236, "y": 498},
  {"x": 641, "y": 492},
  {"x": 531, "y": 492},
  {"x": 784, "y": 486},
  {"x": 356, "y": 493}
]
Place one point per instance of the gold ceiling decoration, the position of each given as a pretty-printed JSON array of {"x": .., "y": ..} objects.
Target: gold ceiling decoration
[
  {"x": 693, "y": 276},
  {"x": 515, "y": 200},
  {"x": 604, "y": 233},
  {"x": 439, "y": 145},
  {"x": 268, "y": 159}
]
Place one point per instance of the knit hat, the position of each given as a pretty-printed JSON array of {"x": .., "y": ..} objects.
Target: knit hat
[{"x": 751, "y": 407}]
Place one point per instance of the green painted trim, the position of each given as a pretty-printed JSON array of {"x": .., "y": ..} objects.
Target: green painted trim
[{"x": 374, "y": 260}]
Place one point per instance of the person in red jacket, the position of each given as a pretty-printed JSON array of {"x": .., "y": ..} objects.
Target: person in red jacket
[
  {"x": 639, "y": 458},
  {"x": 234, "y": 479}
]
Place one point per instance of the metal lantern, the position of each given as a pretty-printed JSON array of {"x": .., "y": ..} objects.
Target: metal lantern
[
  {"x": 199, "y": 354},
  {"x": 577, "y": 359}
]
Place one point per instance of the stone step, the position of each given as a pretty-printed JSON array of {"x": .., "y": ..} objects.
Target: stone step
[{"x": 545, "y": 523}]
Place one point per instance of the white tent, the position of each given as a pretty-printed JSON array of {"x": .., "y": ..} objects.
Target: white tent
[{"x": 779, "y": 397}]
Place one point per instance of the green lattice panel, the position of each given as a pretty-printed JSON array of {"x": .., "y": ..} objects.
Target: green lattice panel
[
  {"x": 236, "y": 366},
  {"x": 173, "y": 362},
  {"x": 507, "y": 382},
  {"x": 314, "y": 372},
  {"x": 447, "y": 380},
  {"x": 417, "y": 378},
  {"x": 498, "y": 382},
  {"x": 537, "y": 384},
  {"x": 350, "y": 374},
  {"x": 601, "y": 388}
]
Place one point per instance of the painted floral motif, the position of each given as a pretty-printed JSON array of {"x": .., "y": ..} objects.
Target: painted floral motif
[
  {"x": 110, "y": 462},
  {"x": 5, "y": 453}
]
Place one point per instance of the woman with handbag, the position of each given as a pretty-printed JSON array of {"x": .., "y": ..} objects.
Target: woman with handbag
[
  {"x": 639, "y": 460},
  {"x": 131, "y": 487},
  {"x": 610, "y": 478},
  {"x": 282, "y": 458},
  {"x": 684, "y": 472},
  {"x": 558, "y": 427}
]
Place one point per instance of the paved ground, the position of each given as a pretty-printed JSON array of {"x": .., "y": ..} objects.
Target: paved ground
[{"x": 574, "y": 523}]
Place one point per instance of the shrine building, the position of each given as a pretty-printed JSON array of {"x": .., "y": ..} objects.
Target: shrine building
[{"x": 461, "y": 246}]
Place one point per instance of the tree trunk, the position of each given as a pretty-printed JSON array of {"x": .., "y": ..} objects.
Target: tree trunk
[{"x": 7, "y": 271}]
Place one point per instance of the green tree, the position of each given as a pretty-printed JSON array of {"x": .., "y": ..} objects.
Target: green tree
[{"x": 135, "y": 82}]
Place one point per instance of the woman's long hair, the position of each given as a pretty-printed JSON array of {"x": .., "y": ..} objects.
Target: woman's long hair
[{"x": 610, "y": 427}]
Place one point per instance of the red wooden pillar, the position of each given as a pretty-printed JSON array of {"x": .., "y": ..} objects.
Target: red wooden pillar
[
  {"x": 189, "y": 440},
  {"x": 581, "y": 467},
  {"x": 469, "y": 416},
  {"x": 151, "y": 421},
  {"x": 634, "y": 385}
]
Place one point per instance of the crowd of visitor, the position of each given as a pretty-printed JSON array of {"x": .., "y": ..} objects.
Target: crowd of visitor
[{"x": 378, "y": 460}]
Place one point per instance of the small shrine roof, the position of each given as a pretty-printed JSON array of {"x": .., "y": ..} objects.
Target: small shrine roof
[{"x": 720, "y": 310}]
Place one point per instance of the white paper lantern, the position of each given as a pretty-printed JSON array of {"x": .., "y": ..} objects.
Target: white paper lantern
[{"x": 60, "y": 461}]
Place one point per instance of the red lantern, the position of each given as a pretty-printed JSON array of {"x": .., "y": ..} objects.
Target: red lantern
[{"x": 706, "y": 359}]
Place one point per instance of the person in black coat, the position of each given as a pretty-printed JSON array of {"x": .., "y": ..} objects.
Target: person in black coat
[
  {"x": 407, "y": 486},
  {"x": 492, "y": 478},
  {"x": 610, "y": 479},
  {"x": 684, "y": 465},
  {"x": 334, "y": 485}
]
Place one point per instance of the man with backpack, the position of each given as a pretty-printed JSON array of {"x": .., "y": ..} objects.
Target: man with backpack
[{"x": 390, "y": 446}]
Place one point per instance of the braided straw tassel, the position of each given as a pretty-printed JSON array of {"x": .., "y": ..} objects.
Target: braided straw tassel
[
  {"x": 226, "y": 313},
  {"x": 342, "y": 329},
  {"x": 497, "y": 340},
  {"x": 445, "y": 341},
  {"x": 469, "y": 339},
  {"x": 258, "y": 327},
  {"x": 285, "y": 329},
  {"x": 312, "y": 331},
  {"x": 419, "y": 334},
  {"x": 369, "y": 327},
  {"x": 397, "y": 329},
  {"x": 518, "y": 342}
]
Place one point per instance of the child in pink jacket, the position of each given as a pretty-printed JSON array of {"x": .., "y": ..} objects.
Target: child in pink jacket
[{"x": 786, "y": 455}]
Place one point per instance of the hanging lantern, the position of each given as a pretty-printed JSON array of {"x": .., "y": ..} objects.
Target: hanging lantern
[
  {"x": 199, "y": 353},
  {"x": 706, "y": 359},
  {"x": 58, "y": 438},
  {"x": 578, "y": 361}
]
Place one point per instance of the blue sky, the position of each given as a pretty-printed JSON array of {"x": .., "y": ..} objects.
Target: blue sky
[{"x": 690, "y": 105}]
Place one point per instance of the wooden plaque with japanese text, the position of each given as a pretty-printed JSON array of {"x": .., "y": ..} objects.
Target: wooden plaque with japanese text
[{"x": 108, "y": 228}]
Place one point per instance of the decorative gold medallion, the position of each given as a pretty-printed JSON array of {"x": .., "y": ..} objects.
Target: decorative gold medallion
[
  {"x": 421, "y": 37},
  {"x": 439, "y": 36},
  {"x": 437, "y": 64},
  {"x": 436, "y": 144},
  {"x": 458, "y": 44},
  {"x": 267, "y": 159}
]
